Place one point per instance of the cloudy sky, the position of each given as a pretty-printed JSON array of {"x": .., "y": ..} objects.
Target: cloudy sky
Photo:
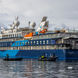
[{"x": 59, "y": 12}]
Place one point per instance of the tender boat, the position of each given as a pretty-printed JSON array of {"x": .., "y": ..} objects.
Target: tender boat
[
  {"x": 12, "y": 59},
  {"x": 51, "y": 58}
]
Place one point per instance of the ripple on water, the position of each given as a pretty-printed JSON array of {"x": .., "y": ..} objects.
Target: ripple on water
[{"x": 37, "y": 69}]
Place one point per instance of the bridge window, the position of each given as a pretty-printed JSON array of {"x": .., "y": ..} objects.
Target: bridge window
[
  {"x": 13, "y": 35},
  {"x": 31, "y": 42},
  {"x": 34, "y": 42},
  {"x": 40, "y": 42},
  {"x": 28, "y": 42},
  {"x": 15, "y": 44},
  {"x": 22, "y": 43},
  {"x": 44, "y": 42},
  {"x": 47, "y": 41},
  {"x": 37, "y": 42}
]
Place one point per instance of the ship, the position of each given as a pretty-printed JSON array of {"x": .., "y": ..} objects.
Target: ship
[{"x": 31, "y": 43}]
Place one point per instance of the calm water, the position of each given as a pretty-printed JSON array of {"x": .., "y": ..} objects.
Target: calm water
[{"x": 38, "y": 69}]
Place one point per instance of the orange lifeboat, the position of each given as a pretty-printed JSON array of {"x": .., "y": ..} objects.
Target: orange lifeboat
[{"x": 29, "y": 35}]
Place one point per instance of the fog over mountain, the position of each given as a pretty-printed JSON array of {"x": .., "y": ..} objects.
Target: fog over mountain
[{"x": 59, "y": 12}]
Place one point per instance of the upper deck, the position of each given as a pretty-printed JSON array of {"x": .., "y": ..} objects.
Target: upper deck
[{"x": 49, "y": 35}]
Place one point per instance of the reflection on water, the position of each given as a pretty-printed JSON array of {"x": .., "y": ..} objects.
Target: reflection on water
[{"x": 38, "y": 69}]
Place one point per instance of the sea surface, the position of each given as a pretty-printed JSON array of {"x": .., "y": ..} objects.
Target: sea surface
[{"x": 38, "y": 69}]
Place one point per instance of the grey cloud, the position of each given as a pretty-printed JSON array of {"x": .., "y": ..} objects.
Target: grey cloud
[{"x": 58, "y": 11}]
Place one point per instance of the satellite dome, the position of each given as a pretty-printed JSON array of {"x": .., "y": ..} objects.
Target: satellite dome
[
  {"x": 16, "y": 23},
  {"x": 33, "y": 24}
]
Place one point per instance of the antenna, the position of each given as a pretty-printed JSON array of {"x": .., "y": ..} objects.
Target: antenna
[
  {"x": 29, "y": 24},
  {"x": 16, "y": 22}
]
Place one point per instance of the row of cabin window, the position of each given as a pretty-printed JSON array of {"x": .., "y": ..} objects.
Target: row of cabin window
[
  {"x": 15, "y": 35},
  {"x": 10, "y": 39},
  {"x": 26, "y": 43},
  {"x": 32, "y": 42},
  {"x": 31, "y": 47},
  {"x": 5, "y": 44}
]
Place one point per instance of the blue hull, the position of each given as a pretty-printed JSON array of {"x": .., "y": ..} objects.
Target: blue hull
[{"x": 62, "y": 54}]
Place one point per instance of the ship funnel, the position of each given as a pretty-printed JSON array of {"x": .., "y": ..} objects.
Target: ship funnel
[
  {"x": 43, "y": 25},
  {"x": 44, "y": 18}
]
